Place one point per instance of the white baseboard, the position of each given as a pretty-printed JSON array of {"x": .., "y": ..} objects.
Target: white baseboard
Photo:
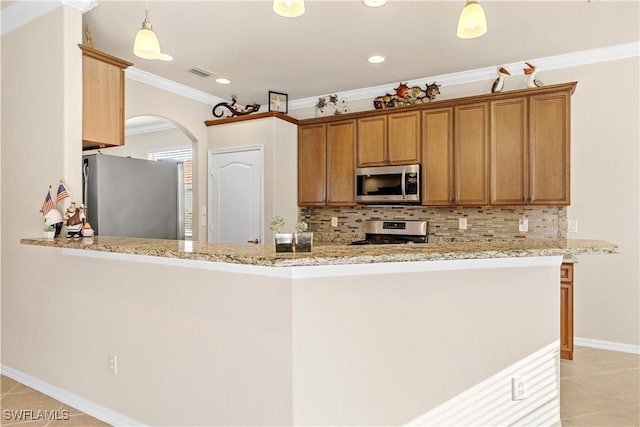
[
  {"x": 607, "y": 345},
  {"x": 88, "y": 407}
]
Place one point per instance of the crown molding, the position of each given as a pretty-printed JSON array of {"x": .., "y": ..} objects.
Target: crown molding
[
  {"x": 83, "y": 6},
  {"x": 154, "y": 80},
  {"x": 585, "y": 57},
  {"x": 20, "y": 13},
  {"x": 573, "y": 59}
]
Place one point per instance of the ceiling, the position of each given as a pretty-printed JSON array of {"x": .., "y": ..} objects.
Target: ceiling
[{"x": 325, "y": 50}]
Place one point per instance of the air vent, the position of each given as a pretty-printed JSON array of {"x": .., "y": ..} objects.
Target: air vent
[{"x": 200, "y": 72}]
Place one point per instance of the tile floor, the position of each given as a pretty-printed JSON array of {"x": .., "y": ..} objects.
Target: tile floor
[
  {"x": 598, "y": 388},
  {"x": 24, "y": 407}
]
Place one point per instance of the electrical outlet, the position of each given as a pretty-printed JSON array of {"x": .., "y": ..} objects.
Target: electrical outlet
[
  {"x": 334, "y": 221},
  {"x": 518, "y": 388},
  {"x": 113, "y": 364},
  {"x": 523, "y": 225},
  {"x": 462, "y": 223},
  {"x": 573, "y": 226}
]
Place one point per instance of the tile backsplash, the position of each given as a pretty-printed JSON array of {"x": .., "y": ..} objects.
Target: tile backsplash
[{"x": 483, "y": 223}]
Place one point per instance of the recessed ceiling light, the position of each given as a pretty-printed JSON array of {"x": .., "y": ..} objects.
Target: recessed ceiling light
[
  {"x": 223, "y": 81},
  {"x": 376, "y": 59},
  {"x": 374, "y": 3}
]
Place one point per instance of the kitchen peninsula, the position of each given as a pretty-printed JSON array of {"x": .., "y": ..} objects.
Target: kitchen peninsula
[{"x": 343, "y": 335}]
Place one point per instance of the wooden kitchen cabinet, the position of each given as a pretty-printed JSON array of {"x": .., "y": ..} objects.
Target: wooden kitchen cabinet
[
  {"x": 326, "y": 164},
  {"x": 390, "y": 139},
  {"x": 530, "y": 150},
  {"x": 549, "y": 148},
  {"x": 509, "y": 151},
  {"x": 437, "y": 157},
  {"x": 341, "y": 160},
  {"x": 372, "y": 141},
  {"x": 403, "y": 136},
  {"x": 566, "y": 311},
  {"x": 455, "y": 145},
  {"x": 312, "y": 161},
  {"x": 102, "y": 99},
  {"x": 504, "y": 149},
  {"x": 471, "y": 154}
]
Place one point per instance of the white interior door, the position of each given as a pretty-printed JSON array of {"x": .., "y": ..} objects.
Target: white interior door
[{"x": 236, "y": 195}]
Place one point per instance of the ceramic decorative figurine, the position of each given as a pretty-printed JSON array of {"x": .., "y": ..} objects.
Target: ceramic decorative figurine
[
  {"x": 73, "y": 213},
  {"x": 498, "y": 84},
  {"x": 532, "y": 71},
  {"x": 86, "y": 231}
]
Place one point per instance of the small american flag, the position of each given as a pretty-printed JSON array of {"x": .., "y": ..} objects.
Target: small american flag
[
  {"x": 48, "y": 204},
  {"x": 62, "y": 193}
]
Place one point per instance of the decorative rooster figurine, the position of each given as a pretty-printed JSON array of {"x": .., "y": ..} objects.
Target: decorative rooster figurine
[
  {"x": 531, "y": 71},
  {"x": 498, "y": 84}
]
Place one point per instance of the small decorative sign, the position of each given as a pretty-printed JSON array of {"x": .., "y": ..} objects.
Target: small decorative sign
[{"x": 278, "y": 101}]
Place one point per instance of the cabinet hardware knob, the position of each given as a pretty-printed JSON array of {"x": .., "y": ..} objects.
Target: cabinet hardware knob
[{"x": 254, "y": 241}]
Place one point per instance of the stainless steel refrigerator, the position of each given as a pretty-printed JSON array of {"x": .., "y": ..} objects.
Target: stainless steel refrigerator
[{"x": 134, "y": 197}]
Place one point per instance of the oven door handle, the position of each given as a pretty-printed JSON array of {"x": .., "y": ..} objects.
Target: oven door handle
[{"x": 403, "y": 183}]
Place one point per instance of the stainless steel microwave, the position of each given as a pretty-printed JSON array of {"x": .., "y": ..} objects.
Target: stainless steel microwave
[{"x": 388, "y": 184}]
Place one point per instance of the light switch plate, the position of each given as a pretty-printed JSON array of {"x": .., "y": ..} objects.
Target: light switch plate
[
  {"x": 523, "y": 225},
  {"x": 462, "y": 223},
  {"x": 334, "y": 221},
  {"x": 573, "y": 226}
]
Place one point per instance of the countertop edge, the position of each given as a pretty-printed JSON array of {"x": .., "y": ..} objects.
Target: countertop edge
[{"x": 250, "y": 255}]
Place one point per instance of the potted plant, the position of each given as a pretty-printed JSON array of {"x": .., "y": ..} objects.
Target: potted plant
[
  {"x": 49, "y": 231},
  {"x": 303, "y": 239},
  {"x": 284, "y": 241}
]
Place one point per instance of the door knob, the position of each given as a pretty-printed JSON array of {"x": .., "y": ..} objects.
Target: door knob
[{"x": 254, "y": 241}]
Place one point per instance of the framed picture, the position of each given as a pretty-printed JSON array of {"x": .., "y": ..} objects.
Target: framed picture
[{"x": 278, "y": 101}]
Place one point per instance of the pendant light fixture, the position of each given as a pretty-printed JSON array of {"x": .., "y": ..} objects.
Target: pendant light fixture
[
  {"x": 288, "y": 8},
  {"x": 146, "y": 44},
  {"x": 472, "y": 22}
]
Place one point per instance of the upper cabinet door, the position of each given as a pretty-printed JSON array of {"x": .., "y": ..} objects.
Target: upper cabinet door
[
  {"x": 372, "y": 141},
  {"x": 102, "y": 99},
  {"x": 549, "y": 148},
  {"x": 471, "y": 153},
  {"x": 403, "y": 140},
  {"x": 312, "y": 163},
  {"x": 437, "y": 157},
  {"x": 509, "y": 136},
  {"x": 341, "y": 160}
]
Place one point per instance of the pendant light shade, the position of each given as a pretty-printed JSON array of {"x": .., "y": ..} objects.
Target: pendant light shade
[
  {"x": 146, "y": 44},
  {"x": 288, "y": 8},
  {"x": 472, "y": 22}
]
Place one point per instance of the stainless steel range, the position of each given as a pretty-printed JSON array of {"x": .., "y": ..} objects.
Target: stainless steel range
[{"x": 380, "y": 232}]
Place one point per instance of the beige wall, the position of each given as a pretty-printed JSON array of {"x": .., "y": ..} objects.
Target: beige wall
[{"x": 383, "y": 349}]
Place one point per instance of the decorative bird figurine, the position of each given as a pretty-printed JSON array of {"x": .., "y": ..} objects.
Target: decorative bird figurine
[
  {"x": 531, "y": 71},
  {"x": 498, "y": 84}
]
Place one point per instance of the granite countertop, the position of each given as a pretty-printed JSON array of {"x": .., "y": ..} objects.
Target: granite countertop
[{"x": 329, "y": 254}]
